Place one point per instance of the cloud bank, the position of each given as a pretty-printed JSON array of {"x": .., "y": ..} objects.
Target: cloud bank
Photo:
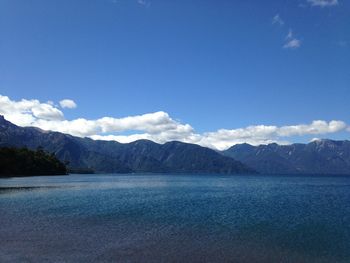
[{"x": 157, "y": 126}]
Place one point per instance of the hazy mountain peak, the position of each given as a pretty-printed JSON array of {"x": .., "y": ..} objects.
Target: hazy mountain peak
[{"x": 322, "y": 156}]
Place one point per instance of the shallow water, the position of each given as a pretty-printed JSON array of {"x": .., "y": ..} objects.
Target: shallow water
[{"x": 175, "y": 218}]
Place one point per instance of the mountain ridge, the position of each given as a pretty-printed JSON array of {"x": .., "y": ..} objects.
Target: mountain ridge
[
  {"x": 322, "y": 156},
  {"x": 114, "y": 157}
]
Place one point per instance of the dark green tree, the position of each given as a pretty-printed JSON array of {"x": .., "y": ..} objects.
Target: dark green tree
[{"x": 22, "y": 161}]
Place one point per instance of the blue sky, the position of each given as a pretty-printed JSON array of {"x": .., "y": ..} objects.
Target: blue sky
[{"x": 210, "y": 64}]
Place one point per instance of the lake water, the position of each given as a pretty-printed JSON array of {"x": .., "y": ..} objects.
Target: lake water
[{"x": 165, "y": 218}]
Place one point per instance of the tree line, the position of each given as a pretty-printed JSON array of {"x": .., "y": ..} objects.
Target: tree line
[{"x": 25, "y": 162}]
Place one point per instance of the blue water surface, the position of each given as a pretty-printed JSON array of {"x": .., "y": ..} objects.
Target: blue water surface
[{"x": 175, "y": 218}]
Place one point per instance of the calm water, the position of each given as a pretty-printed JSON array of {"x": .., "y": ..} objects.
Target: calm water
[{"x": 163, "y": 218}]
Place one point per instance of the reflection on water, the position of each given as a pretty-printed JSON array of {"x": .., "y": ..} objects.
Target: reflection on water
[
  {"x": 158, "y": 218},
  {"x": 15, "y": 189}
]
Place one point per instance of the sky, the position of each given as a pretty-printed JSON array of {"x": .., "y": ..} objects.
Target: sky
[{"x": 210, "y": 72}]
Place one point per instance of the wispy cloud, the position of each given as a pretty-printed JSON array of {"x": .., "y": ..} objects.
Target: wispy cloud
[
  {"x": 277, "y": 20},
  {"x": 323, "y": 3},
  {"x": 291, "y": 41},
  {"x": 289, "y": 35},
  {"x": 144, "y": 3},
  {"x": 292, "y": 44},
  {"x": 157, "y": 126}
]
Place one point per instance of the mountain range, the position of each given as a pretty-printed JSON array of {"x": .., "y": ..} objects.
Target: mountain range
[
  {"x": 141, "y": 156},
  {"x": 317, "y": 157},
  {"x": 144, "y": 156}
]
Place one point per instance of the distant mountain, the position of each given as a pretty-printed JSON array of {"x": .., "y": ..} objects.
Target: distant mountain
[
  {"x": 317, "y": 157},
  {"x": 109, "y": 156}
]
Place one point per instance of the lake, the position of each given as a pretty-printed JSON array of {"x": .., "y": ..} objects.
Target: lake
[{"x": 175, "y": 218}]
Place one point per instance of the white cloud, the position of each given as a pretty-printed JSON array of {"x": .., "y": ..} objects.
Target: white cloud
[
  {"x": 316, "y": 127},
  {"x": 157, "y": 126},
  {"x": 48, "y": 117},
  {"x": 224, "y": 138},
  {"x": 323, "y": 3},
  {"x": 262, "y": 134},
  {"x": 292, "y": 42},
  {"x": 277, "y": 20},
  {"x": 66, "y": 103},
  {"x": 23, "y": 112}
]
